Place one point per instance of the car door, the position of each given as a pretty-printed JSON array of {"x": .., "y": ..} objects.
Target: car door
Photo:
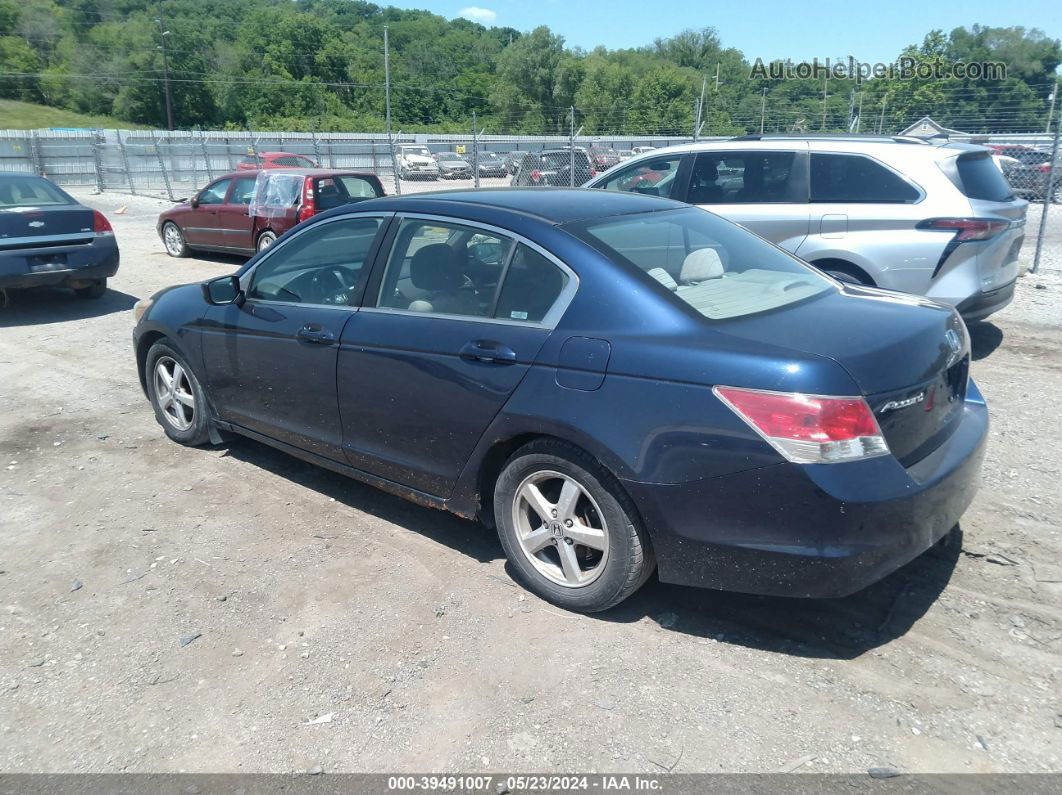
[
  {"x": 235, "y": 226},
  {"x": 453, "y": 318},
  {"x": 271, "y": 360},
  {"x": 764, "y": 190},
  {"x": 201, "y": 227}
]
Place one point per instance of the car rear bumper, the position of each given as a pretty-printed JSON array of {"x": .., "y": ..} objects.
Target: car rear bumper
[
  {"x": 978, "y": 307},
  {"x": 813, "y": 531},
  {"x": 72, "y": 266}
]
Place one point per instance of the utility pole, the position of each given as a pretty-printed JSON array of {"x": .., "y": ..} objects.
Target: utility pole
[
  {"x": 700, "y": 109},
  {"x": 163, "y": 33},
  {"x": 881, "y": 124},
  {"x": 763, "y": 108},
  {"x": 387, "y": 105},
  {"x": 859, "y": 114},
  {"x": 851, "y": 110},
  {"x": 825, "y": 84},
  {"x": 1051, "y": 110}
]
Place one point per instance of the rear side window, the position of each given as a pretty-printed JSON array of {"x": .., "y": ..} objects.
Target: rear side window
[
  {"x": 741, "y": 178},
  {"x": 855, "y": 178},
  {"x": 980, "y": 179},
  {"x": 30, "y": 191},
  {"x": 243, "y": 191},
  {"x": 532, "y": 286}
]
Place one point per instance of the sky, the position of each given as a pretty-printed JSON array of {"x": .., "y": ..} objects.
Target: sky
[{"x": 768, "y": 29}]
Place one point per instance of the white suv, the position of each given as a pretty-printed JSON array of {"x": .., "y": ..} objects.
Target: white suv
[{"x": 935, "y": 219}]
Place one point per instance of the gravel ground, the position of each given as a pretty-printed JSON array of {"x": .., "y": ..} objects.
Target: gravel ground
[{"x": 233, "y": 609}]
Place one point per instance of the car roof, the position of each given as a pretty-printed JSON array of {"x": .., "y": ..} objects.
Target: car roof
[
  {"x": 552, "y": 205},
  {"x": 294, "y": 171}
]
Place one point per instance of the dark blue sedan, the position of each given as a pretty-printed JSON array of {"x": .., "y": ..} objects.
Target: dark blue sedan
[
  {"x": 618, "y": 383},
  {"x": 48, "y": 239}
]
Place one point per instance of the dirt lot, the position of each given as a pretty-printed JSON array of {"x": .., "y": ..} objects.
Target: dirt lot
[{"x": 398, "y": 629}]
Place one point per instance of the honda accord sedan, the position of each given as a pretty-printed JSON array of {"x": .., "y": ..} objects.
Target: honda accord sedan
[
  {"x": 617, "y": 383},
  {"x": 48, "y": 239}
]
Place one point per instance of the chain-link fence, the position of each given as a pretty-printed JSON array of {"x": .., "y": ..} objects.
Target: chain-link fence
[{"x": 174, "y": 165}]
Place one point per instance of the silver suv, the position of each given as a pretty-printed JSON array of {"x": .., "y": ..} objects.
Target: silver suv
[{"x": 935, "y": 219}]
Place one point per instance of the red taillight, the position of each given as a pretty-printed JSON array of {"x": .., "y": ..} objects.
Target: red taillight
[
  {"x": 536, "y": 175},
  {"x": 100, "y": 224},
  {"x": 309, "y": 207},
  {"x": 1045, "y": 168},
  {"x": 967, "y": 228},
  {"x": 808, "y": 429}
]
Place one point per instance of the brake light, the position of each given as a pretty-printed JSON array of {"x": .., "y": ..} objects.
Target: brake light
[
  {"x": 1045, "y": 168},
  {"x": 967, "y": 228},
  {"x": 100, "y": 224},
  {"x": 536, "y": 175},
  {"x": 808, "y": 429},
  {"x": 309, "y": 207}
]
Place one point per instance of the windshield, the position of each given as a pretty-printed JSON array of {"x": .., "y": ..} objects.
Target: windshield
[
  {"x": 713, "y": 266},
  {"x": 30, "y": 191}
]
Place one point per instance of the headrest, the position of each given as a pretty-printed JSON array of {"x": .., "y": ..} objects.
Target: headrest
[
  {"x": 701, "y": 265},
  {"x": 435, "y": 267},
  {"x": 664, "y": 278}
]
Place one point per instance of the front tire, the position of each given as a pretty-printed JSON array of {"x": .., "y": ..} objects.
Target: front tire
[
  {"x": 176, "y": 395},
  {"x": 570, "y": 532},
  {"x": 173, "y": 240}
]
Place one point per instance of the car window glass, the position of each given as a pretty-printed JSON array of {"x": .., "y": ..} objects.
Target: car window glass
[
  {"x": 712, "y": 266},
  {"x": 323, "y": 265},
  {"x": 303, "y": 161},
  {"x": 440, "y": 268},
  {"x": 29, "y": 191},
  {"x": 531, "y": 287},
  {"x": 740, "y": 178},
  {"x": 215, "y": 194},
  {"x": 243, "y": 191},
  {"x": 655, "y": 177},
  {"x": 855, "y": 178},
  {"x": 359, "y": 187}
]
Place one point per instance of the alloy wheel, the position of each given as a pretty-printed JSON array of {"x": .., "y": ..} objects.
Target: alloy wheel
[
  {"x": 173, "y": 239},
  {"x": 560, "y": 528},
  {"x": 173, "y": 391}
]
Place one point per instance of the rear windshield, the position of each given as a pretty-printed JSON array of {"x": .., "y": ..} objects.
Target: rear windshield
[
  {"x": 713, "y": 266},
  {"x": 30, "y": 191},
  {"x": 979, "y": 178}
]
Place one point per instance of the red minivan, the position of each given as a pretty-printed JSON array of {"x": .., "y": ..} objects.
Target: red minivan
[{"x": 244, "y": 212}]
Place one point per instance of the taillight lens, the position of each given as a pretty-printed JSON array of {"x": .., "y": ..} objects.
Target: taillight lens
[
  {"x": 536, "y": 175},
  {"x": 967, "y": 228},
  {"x": 100, "y": 224},
  {"x": 1045, "y": 168},
  {"x": 309, "y": 207},
  {"x": 808, "y": 429}
]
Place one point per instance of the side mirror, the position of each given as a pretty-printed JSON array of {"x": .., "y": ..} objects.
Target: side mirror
[
  {"x": 223, "y": 290},
  {"x": 194, "y": 201}
]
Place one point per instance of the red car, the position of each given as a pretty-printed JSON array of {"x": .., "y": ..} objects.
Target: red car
[
  {"x": 275, "y": 160},
  {"x": 244, "y": 212}
]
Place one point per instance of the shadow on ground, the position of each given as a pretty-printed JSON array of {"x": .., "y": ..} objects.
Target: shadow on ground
[
  {"x": 823, "y": 628},
  {"x": 43, "y": 305},
  {"x": 985, "y": 337}
]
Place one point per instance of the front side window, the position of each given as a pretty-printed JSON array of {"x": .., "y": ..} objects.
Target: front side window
[
  {"x": 215, "y": 193},
  {"x": 855, "y": 178},
  {"x": 655, "y": 177},
  {"x": 709, "y": 265},
  {"x": 741, "y": 178},
  {"x": 323, "y": 265}
]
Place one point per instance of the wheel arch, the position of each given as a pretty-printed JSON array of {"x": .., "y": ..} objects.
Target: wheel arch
[{"x": 836, "y": 263}]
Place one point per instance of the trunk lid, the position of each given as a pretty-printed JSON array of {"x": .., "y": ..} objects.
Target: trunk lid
[
  {"x": 909, "y": 356},
  {"x": 59, "y": 225}
]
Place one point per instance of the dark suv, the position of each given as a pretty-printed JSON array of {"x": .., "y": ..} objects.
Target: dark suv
[{"x": 553, "y": 167}]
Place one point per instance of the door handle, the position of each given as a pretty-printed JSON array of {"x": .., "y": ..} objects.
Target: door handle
[
  {"x": 314, "y": 334},
  {"x": 487, "y": 351}
]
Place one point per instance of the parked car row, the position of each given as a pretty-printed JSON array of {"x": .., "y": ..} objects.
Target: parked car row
[{"x": 1029, "y": 171}]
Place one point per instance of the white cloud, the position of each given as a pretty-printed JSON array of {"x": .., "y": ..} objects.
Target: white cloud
[{"x": 477, "y": 14}]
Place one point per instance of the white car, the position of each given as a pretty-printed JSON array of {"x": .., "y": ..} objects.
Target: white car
[{"x": 415, "y": 161}]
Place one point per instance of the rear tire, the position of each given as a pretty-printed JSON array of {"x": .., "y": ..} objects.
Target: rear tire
[
  {"x": 265, "y": 240},
  {"x": 585, "y": 503},
  {"x": 95, "y": 290},
  {"x": 181, "y": 409}
]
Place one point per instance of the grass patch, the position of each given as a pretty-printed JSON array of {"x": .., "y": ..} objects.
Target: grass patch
[{"x": 16, "y": 115}]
